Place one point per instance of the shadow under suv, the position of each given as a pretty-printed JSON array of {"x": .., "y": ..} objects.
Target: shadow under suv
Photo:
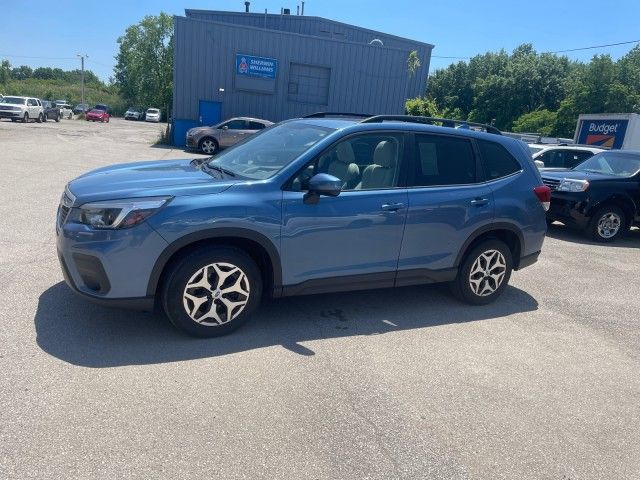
[{"x": 306, "y": 206}]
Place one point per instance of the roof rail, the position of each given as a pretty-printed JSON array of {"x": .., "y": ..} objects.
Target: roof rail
[
  {"x": 336, "y": 114},
  {"x": 446, "y": 122}
]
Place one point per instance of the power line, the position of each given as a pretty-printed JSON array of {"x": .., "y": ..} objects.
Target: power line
[
  {"x": 596, "y": 46},
  {"x": 454, "y": 58},
  {"x": 39, "y": 58}
]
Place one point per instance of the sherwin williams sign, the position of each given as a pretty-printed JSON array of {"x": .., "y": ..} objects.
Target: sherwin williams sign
[
  {"x": 256, "y": 66},
  {"x": 603, "y": 133}
]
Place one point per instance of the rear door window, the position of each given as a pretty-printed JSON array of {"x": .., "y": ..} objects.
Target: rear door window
[
  {"x": 497, "y": 161},
  {"x": 442, "y": 160}
]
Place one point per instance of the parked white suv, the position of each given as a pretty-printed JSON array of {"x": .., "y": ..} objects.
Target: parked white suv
[
  {"x": 66, "y": 111},
  {"x": 152, "y": 115},
  {"x": 561, "y": 156},
  {"x": 21, "y": 108}
]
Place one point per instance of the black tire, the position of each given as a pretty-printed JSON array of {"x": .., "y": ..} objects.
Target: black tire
[
  {"x": 58, "y": 117},
  {"x": 188, "y": 268},
  {"x": 208, "y": 145},
  {"x": 613, "y": 227},
  {"x": 39, "y": 119},
  {"x": 462, "y": 285},
  {"x": 45, "y": 118},
  {"x": 25, "y": 119}
]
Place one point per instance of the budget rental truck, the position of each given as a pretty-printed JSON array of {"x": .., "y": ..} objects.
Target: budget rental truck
[{"x": 609, "y": 130}]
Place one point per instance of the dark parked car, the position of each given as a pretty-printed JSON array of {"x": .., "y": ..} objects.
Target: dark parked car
[
  {"x": 600, "y": 196},
  {"x": 307, "y": 206},
  {"x": 51, "y": 111},
  {"x": 81, "y": 108}
]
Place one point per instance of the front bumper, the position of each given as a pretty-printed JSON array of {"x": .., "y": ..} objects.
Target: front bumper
[
  {"x": 111, "y": 267},
  {"x": 569, "y": 207},
  {"x": 11, "y": 114},
  {"x": 191, "y": 141}
]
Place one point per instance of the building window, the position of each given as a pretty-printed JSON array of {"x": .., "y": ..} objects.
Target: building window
[{"x": 309, "y": 84}]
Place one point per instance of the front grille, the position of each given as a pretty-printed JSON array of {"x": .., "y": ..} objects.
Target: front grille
[
  {"x": 65, "y": 206},
  {"x": 552, "y": 183}
]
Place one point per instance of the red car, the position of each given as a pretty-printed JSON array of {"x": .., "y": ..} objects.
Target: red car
[{"x": 97, "y": 115}]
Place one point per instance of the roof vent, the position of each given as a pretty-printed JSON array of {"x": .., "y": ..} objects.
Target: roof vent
[{"x": 376, "y": 42}]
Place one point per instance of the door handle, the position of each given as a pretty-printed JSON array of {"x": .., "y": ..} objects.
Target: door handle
[
  {"x": 479, "y": 202},
  {"x": 392, "y": 207}
]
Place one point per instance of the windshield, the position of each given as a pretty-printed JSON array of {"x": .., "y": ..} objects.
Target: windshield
[
  {"x": 152, "y": 110},
  {"x": 534, "y": 149},
  {"x": 15, "y": 100},
  {"x": 611, "y": 163},
  {"x": 264, "y": 154}
]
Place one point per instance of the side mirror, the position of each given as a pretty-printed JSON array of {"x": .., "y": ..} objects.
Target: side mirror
[
  {"x": 225, "y": 127},
  {"x": 322, "y": 184}
]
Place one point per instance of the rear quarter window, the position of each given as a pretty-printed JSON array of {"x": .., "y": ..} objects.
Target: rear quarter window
[{"x": 497, "y": 161}]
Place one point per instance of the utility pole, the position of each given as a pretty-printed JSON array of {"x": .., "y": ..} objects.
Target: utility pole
[{"x": 82, "y": 57}]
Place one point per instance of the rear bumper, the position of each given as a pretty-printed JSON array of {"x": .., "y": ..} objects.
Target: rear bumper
[{"x": 528, "y": 260}]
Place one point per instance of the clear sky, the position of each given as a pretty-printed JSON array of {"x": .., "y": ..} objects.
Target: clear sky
[{"x": 55, "y": 31}]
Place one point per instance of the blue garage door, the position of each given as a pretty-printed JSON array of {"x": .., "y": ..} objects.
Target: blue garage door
[{"x": 209, "y": 112}]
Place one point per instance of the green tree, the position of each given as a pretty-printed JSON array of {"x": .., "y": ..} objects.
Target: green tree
[
  {"x": 22, "y": 72},
  {"x": 5, "y": 71},
  {"x": 539, "y": 121},
  {"x": 413, "y": 63},
  {"x": 144, "y": 68}
]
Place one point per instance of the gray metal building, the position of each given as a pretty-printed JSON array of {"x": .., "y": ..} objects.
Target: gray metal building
[{"x": 283, "y": 66}]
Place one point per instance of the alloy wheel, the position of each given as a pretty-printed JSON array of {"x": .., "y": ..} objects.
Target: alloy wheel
[
  {"x": 216, "y": 294},
  {"x": 487, "y": 273},
  {"x": 609, "y": 225},
  {"x": 208, "y": 146}
]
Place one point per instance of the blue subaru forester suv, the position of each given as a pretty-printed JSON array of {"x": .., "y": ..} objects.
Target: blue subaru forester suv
[{"x": 309, "y": 205}]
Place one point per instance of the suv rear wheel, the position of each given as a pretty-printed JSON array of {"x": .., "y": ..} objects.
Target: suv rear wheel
[
  {"x": 484, "y": 273},
  {"x": 607, "y": 224},
  {"x": 208, "y": 145},
  {"x": 212, "y": 292}
]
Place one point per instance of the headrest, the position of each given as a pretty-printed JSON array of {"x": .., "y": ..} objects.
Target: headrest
[
  {"x": 344, "y": 153},
  {"x": 385, "y": 154}
]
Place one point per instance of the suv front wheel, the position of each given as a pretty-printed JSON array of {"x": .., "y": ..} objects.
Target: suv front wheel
[
  {"x": 210, "y": 293},
  {"x": 607, "y": 224},
  {"x": 484, "y": 273},
  {"x": 208, "y": 145}
]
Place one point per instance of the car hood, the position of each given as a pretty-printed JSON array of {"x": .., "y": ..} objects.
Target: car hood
[
  {"x": 575, "y": 175},
  {"x": 145, "y": 179}
]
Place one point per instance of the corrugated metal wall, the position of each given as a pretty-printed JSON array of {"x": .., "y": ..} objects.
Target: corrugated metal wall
[{"x": 363, "y": 78}]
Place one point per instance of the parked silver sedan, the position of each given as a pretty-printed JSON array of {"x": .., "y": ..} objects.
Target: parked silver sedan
[{"x": 211, "y": 139}]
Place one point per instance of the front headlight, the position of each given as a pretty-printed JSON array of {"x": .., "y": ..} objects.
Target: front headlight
[
  {"x": 570, "y": 185},
  {"x": 117, "y": 213}
]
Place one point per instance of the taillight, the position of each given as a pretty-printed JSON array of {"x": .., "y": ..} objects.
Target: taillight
[{"x": 544, "y": 195}]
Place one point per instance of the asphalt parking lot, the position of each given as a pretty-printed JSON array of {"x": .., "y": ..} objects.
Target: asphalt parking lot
[{"x": 406, "y": 383}]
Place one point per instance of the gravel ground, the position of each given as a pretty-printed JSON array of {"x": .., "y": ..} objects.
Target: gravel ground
[{"x": 405, "y": 383}]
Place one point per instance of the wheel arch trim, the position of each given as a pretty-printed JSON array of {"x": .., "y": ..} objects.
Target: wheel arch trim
[
  {"x": 487, "y": 229},
  {"x": 212, "y": 234}
]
